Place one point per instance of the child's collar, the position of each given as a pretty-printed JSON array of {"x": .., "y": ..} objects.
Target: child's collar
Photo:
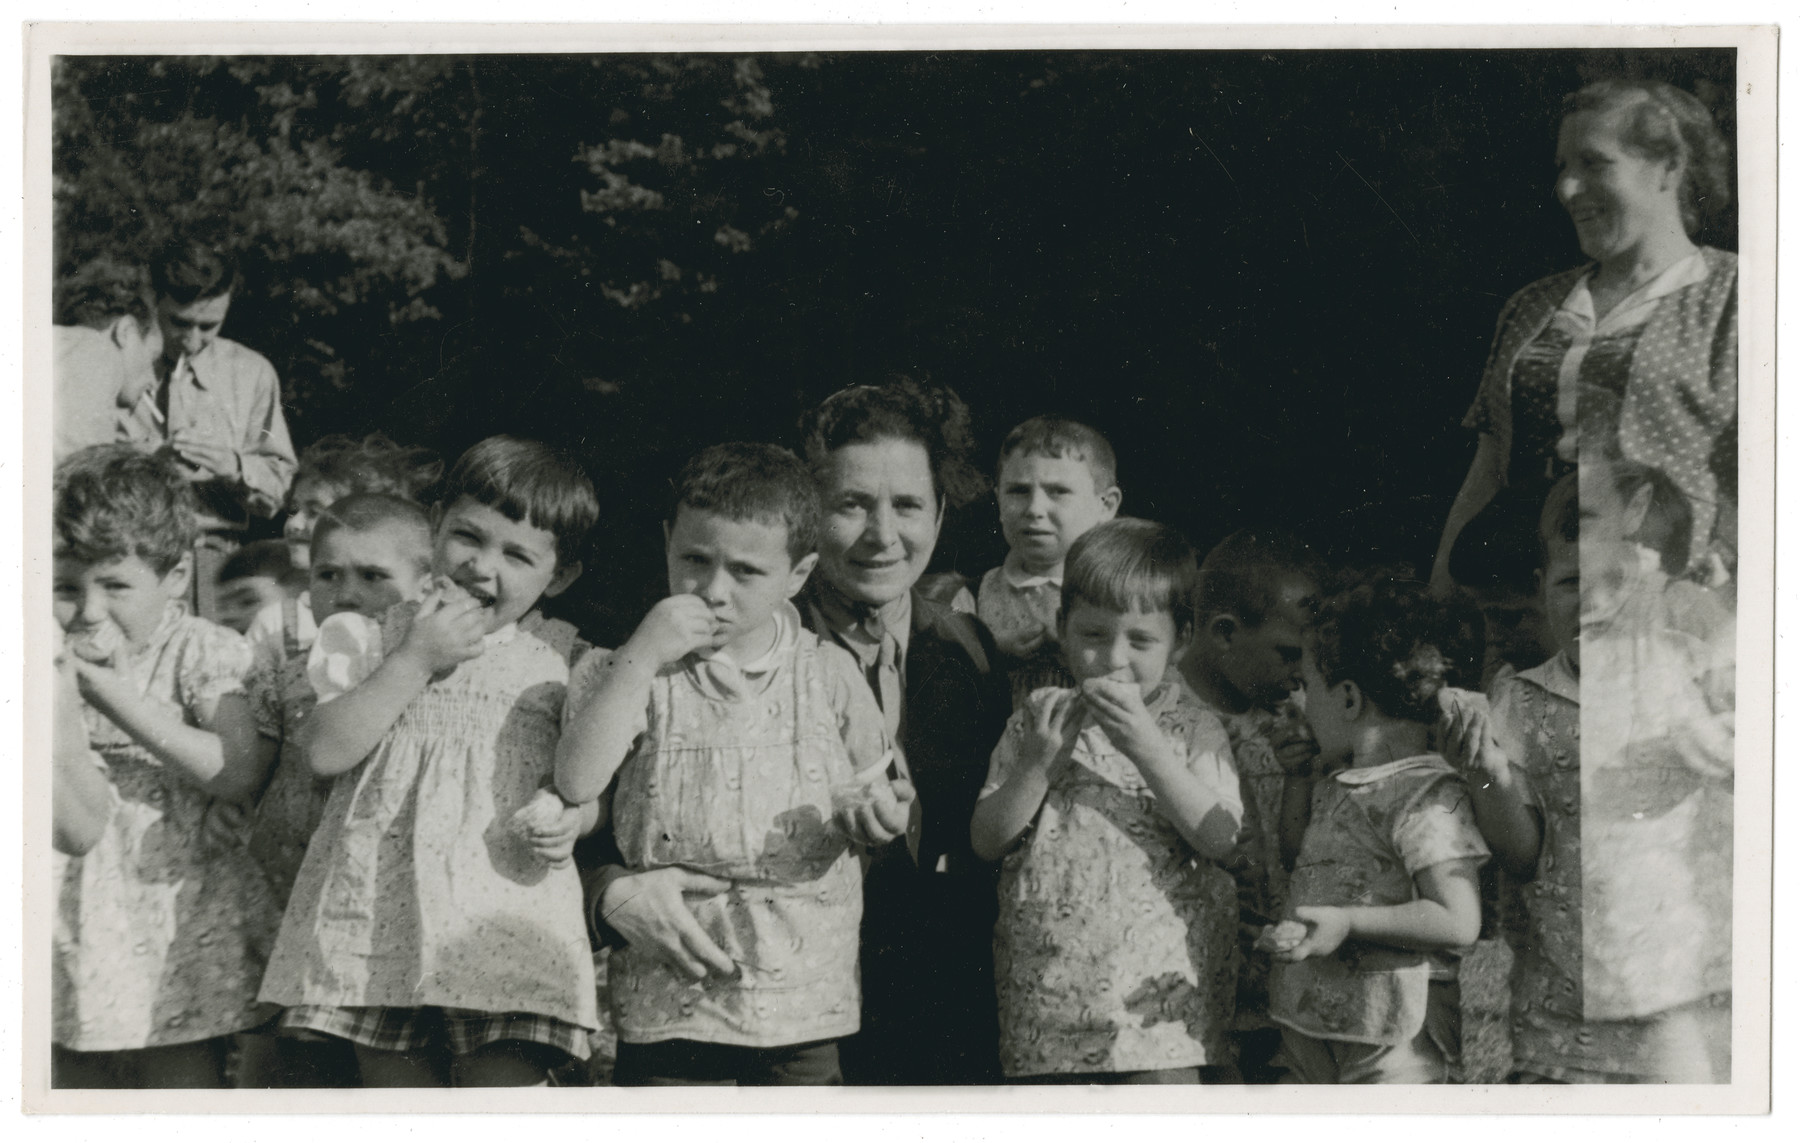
[{"x": 1019, "y": 579}]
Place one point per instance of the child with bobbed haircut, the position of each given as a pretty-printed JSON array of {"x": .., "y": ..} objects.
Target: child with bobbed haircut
[
  {"x": 1111, "y": 804},
  {"x": 155, "y": 959},
  {"x": 745, "y": 748},
  {"x": 330, "y": 469},
  {"x": 1384, "y": 888},
  {"x": 1055, "y": 480},
  {"x": 436, "y": 919}
]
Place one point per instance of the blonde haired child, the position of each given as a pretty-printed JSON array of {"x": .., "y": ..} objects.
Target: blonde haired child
[
  {"x": 155, "y": 960},
  {"x": 746, "y": 748},
  {"x": 1111, "y": 804},
  {"x": 436, "y": 921}
]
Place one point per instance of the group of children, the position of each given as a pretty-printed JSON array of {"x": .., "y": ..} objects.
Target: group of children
[{"x": 1240, "y": 811}]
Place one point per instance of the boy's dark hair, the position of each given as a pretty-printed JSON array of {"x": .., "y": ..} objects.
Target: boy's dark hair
[
  {"x": 370, "y": 464},
  {"x": 1499, "y": 550},
  {"x": 1066, "y": 439},
  {"x": 529, "y": 482},
  {"x": 761, "y": 482},
  {"x": 1560, "y": 519},
  {"x": 907, "y": 410},
  {"x": 1131, "y": 564},
  {"x": 1668, "y": 527},
  {"x": 1242, "y": 575},
  {"x": 1387, "y": 634},
  {"x": 187, "y": 271},
  {"x": 260, "y": 558},
  {"x": 102, "y": 289},
  {"x": 371, "y": 511},
  {"x": 113, "y": 501}
]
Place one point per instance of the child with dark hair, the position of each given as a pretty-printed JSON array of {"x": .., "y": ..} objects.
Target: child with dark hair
[
  {"x": 332, "y": 468},
  {"x": 436, "y": 920},
  {"x": 1496, "y": 559},
  {"x": 1384, "y": 885},
  {"x": 106, "y": 339},
  {"x": 1255, "y": 604},
  {"x": 256, "y": 577},
  {"x": 155, "y": 958},
  {"x": 1111, "y": 803},
  {"x": 215, "y": 406},
  {"x": 1056, "y": 479},
  {"x": 745, "y": 747}
]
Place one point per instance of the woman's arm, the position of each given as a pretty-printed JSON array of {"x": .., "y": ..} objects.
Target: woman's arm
[
  {"x": 1446, "y": 915},
  {"x": 1487, "y": 474}
]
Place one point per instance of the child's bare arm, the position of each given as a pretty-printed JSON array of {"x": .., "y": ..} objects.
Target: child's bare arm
[
  {"x": 198, "y": 753},
  {"x": 81, "y": 796},
  {"x": 1446, "y": 915},
  {"x": 341, "y": 733},
  {"x": 1002, "y": 816},
  {"x": 600, "y": 736},
  {"x": 249, "y": 756},
  {"x": 1503, "y": 813}
]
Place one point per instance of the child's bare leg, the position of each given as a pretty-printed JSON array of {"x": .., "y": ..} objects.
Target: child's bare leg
[
  {"x": 197, "y": 1065},
  {"x": 506, "y": 1063},
  {"x": 399, "y": 1069}
]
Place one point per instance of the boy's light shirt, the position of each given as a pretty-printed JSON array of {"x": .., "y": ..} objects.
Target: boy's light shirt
[
  {"x": 1019, "y": 579},
  {"x": 731, "y": 679},
  {"x": 1556, "y": 675}
]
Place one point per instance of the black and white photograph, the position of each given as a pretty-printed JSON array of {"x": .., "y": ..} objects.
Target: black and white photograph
[{"x": 1226, "y": 563}]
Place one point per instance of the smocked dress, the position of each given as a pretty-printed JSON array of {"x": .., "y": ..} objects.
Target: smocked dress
[
  {"x": 156, "y": 940},
  {"x": 733, "y": 774},
  {"x": 415, "y": 890},
  {"x": 1116, "y": 945}
]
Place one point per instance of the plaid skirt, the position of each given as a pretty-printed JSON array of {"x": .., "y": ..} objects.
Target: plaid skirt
[{"x": 462, "y": 1030}]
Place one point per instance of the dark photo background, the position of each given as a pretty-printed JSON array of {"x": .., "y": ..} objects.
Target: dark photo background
[{"x": 1269, "y": 277}]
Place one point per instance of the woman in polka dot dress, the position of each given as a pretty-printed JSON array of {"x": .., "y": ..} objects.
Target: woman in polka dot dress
[{"x": 1633, "y": 356}]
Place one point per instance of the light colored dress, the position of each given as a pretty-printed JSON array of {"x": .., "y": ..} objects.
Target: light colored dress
[
  {"x": 157, "y": 930},
  {"x": 1373, "y": 830},
  {"x": 733, "y": 775},
  {"x": 1116, "y": 945},
  {"x": 1019, "y": 607},
  {"x": 1657, "y": 721},
  {"x": 416, "y": 891}
]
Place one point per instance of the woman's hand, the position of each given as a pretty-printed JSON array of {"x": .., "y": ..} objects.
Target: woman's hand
[
  {"x": 650, "y": 911},
  {"x": 874, "y": 810},
  {"x": 674, "y": 628}
]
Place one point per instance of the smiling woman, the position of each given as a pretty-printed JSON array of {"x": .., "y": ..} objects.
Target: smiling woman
[{"x": 1633, "y": 356}]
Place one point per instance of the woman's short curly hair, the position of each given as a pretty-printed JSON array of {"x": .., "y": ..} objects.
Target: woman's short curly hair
[
  {"x": 1387, "y": 634},
  {"x": 114, "y": 501},
  {"x": 1668, "y": 124},
  {"x": 370, "y": 464},
  {"x": 907, "y": 410}
]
